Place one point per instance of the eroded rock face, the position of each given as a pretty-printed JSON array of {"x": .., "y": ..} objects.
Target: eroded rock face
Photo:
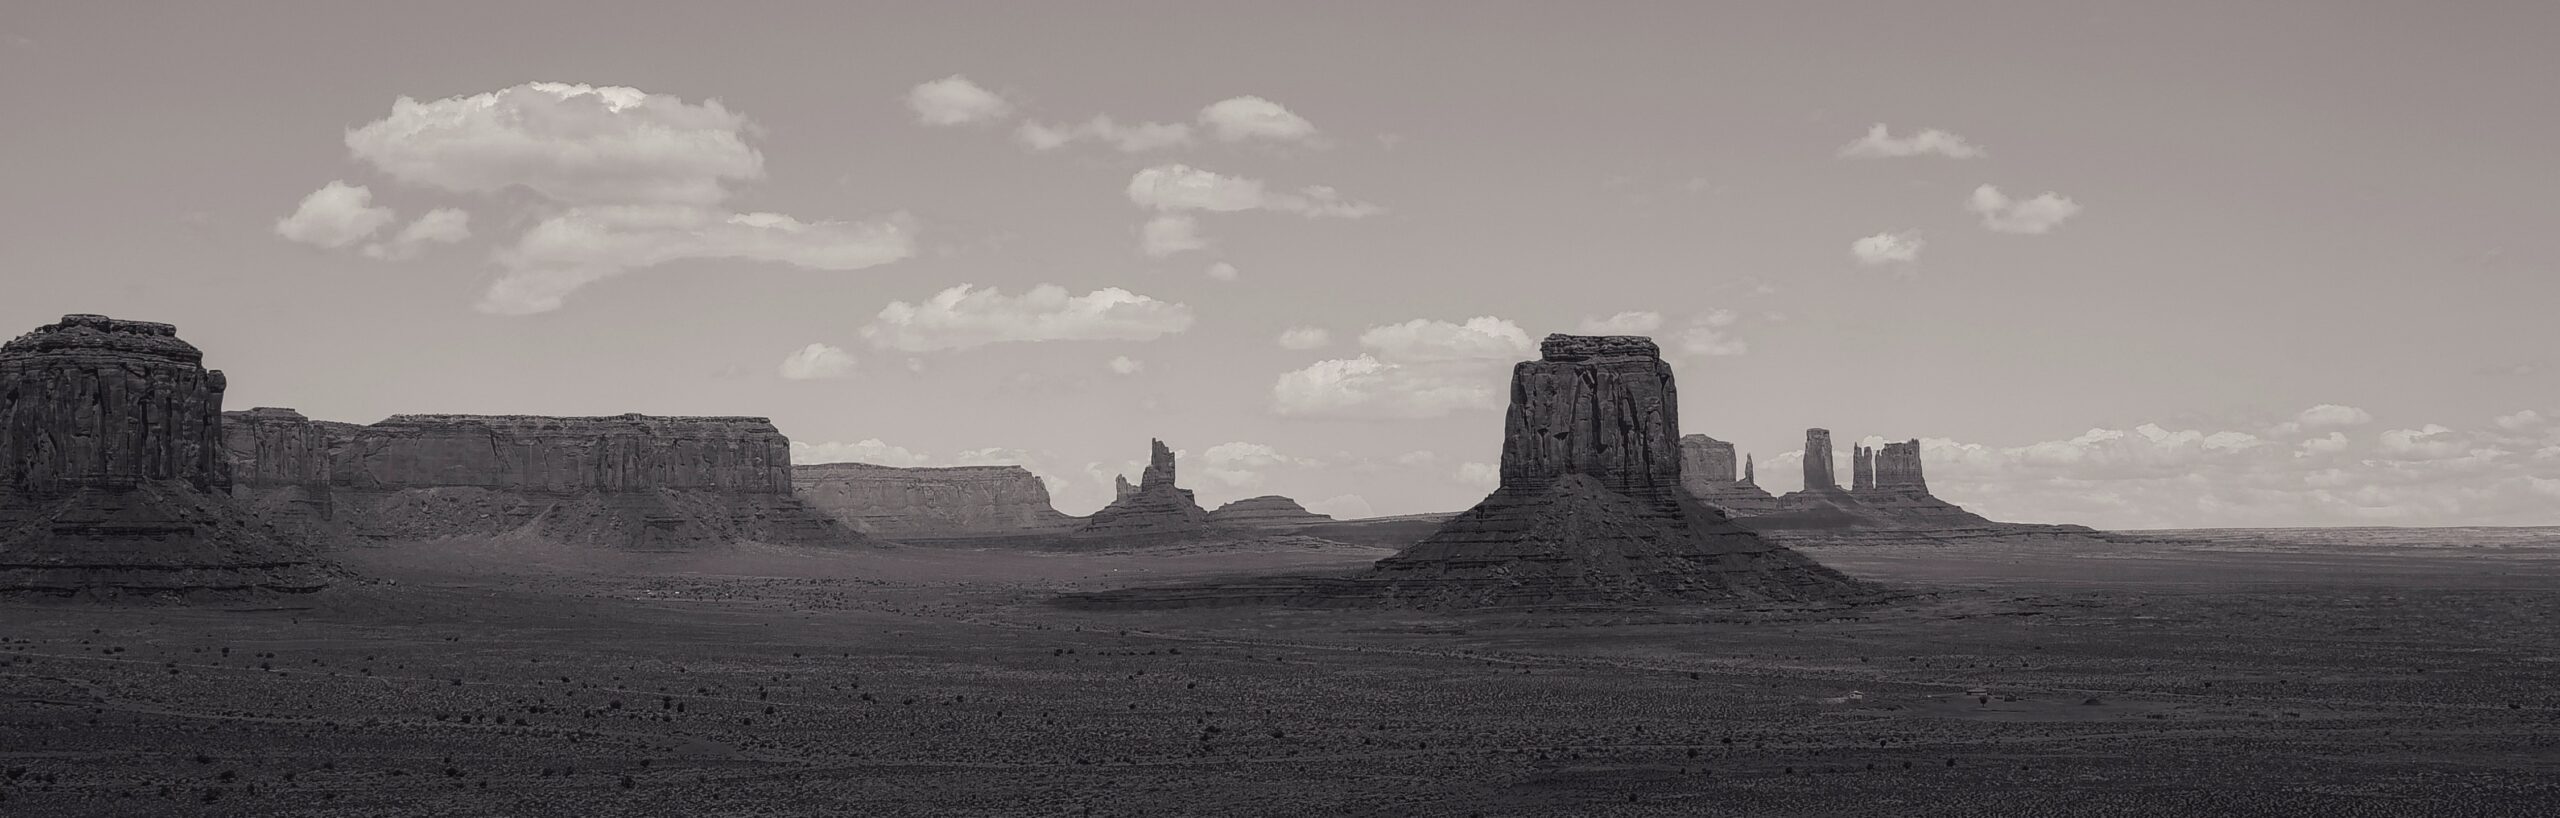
[
  {"x": 628, "y": 481},
  {"x": 1706, "y": 472},
  {"x": 1817, "y": 461},
  {"x": 1862, "y": 467},
  {"x": 281, "y": 463},
  {"x": 1897, "y": 466},
  {"x": 1156, "y": 508},
  {"x": 1267, "y": 511},
  {"x": 932, "y": 503},
  {"x": 1597, "y": 405},
  {"x": 113, "y": 478}
]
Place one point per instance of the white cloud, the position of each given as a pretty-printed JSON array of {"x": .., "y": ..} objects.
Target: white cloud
[
  {"x": 1126, "y": 365},
  {"x": 1888, "y": 248},
  {"x": 443, "y": 225},
  {"x": 965, "y": 316},
  {"x": 583, "y": 245},
  {"x": 817, "y": 361},
  {"x": 1249, "y": 117},
  {"x": 2036, "y": 215},
  {"x": 1625, "y": 323},
  {"x": 1417, "y": 457},
  {"x": 2520, "y": 421},
  {"x": 954, "y": 100},
  {"x": 1879, "y": 143},
  {"x": 577, "y": 144},
  {"x": 1223, "y": 271},
  {"x": 1139, "y": 138},
  {"x": 1183, "y": 187},
  {"x": 1304, "y": 338},
  {"x": 1423, "y": 340},
  {"x": 1170, "y": 233},
  {"x": 2332, "y": 444},
  {"x": 336, "y": 215},
  {"x": 1479, "y": 474},
  {"x": 1710, "y": 335},
  {"x": 1343, "y": 507},
  {"x": 1417, "y": 369},
  {"x": 871, "y": 451},
  {"x": 2330, "y": 414}
]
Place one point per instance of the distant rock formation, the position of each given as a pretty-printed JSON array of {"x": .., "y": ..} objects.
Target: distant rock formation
[
  {"x": 1862, "y": 467},
  {"x": 1590, "y": 512},
  {"x": 629, "y": 481},
  {"x": 958, "y": 502},
  {"x": 112, "y": 474},
  {"x": 1817, "y": 461},
  {"x": 1267, "y": 511},
  {"x": 1706, "y": 472},
  {"x": 1897, "y": 466},
  {"x": 1889, "y": 497},
  {"x": 1155, "y": 508}
]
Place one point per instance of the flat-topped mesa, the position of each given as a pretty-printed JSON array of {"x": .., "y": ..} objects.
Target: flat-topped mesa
[
  {"x": 951, "y": 502},
  {"x": 1155, "y": 508},
  {"x": 1818, "y": 475},
  {"x": 569, "y": 454},
  {"x": 1706, "y": 472},
  {"x": 100, "y": 401},
  {"x": 1601, "y": 406},
  {"x": 1897, "y": 467},
  {"x": 113, "y": 477},
  {"x": 1267, "y": 511}
]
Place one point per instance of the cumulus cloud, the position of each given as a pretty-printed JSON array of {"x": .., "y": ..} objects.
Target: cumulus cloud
[
  {"x": 954, "y": 100},
  {"x": 1304, "y": 338},
  {"x": 1343, "y": 507},
  {"x": 1240, "y": 463},
  {"x": 966, "y": 316},
  {"x": 817, "y": 361},
  {"x": 1710, "y": 334},
  {"x": 336, "y": 215},
  {"x": 2527, "y": 419},
  {"x": 1479, "y": 474},
  {"x": 2037, "y": 215},
  {"x": 1223, "y": 271},
  {"x": 1418, "y": 369},
  {"x": 631, "y": 179},
  {"x": 1170, "y": 233},
  {"x": 871, "y": 451},
  {"x": 1173, "y": 187},
  {"x": 1126, "y": 365},
  {"x": 2330, "y": 414},
  {"x": 1249, "y": 117},
  {"x": 1888, "y": 248},
  {"x": 443, "y": 225},
  {"x": 1625, "y": 323},
  {"x": 1879, "y": 143},
  {"x": 1138, "y": 138}
]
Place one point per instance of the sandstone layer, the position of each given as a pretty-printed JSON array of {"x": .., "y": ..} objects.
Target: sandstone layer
[
  {"x": 932, "y": 503},
  {"x": 1267, "y": 511},
  {"x": 1706, "y": 472},
  {"x": 1154, "y": 509},
  {"x": 113, "y": 478}
]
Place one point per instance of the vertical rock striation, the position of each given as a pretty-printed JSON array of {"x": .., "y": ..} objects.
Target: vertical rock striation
[
  {"x": 1706, "y": 472},
  {"x": 1818, "y": 474},
  {"x": 1155, "y": 508},
  {"x": 1897, "y": 467},
  {"x": 113, "y": 477}
]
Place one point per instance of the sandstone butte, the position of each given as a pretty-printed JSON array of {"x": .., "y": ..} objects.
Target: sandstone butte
[
  {"x": 922, "y": 504},
  {"x": 1590, "y": 512},
  {"x": 112, "y": 475}
]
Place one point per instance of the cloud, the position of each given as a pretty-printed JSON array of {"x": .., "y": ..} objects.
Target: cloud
[
  {"x": 2037, "y": 215},
  {"x": 1239, "y": 464},
  {"x": 2330, "y": 414},
  {"x": 1479, "y": 474},
  {"x": 1304, "y": 338},
  {"x": 1880, "y": 144},
  {"x": 1343, "y": 507},
  {"x": 1417, "y": 457},
  {"x": 1223, "y": 271},
  {"x": 1888, "y": 248},
  {"x": 1248, "y": 117},
  {"x": 583, "y": 245},
  {"x": 817, "y": 361},
  {"x": 965, "y": 316},
  {"x": 1170, "y": 233},
  {"x": 336, "y": 215},
  {"x": 577, "y": 144},
  {"x": 1417, "y": 369},
  {"x": 1710, "y": 335},
  {"x": 1126, "y": 365},
  {"x": 1625, "y": 323},
  {"x": 1139, "y": 138},
  {"x": 871, "y": 451},
  {"x": 443, "y": 225},
  {"x": 632, "y": 179},
  {"x": 2520, "y": 421},
  {"x": 1177, "y": 186},
  {"x": 954, "y": 100}
]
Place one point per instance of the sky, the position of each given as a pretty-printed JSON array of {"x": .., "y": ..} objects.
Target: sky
[{"x": 2172, "y": 264}]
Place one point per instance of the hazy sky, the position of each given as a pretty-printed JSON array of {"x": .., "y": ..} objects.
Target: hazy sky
[{"x": 2121, "y": 264}]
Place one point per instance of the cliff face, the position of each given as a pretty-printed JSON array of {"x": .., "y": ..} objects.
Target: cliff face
[
  {"x": 1155, "y": 508},
  {"x": 1596, "y": 405},
  {"x": 931, "y": 503},
  {"x": 1897, "y": 466},
  {"x": 629, "y": 481},
  {"x": 1267, "y": 511},
  {"x": 1818, "y": 475},
  {"x": 112, "y": 474},
  {"x": 1706, "y": 473}
]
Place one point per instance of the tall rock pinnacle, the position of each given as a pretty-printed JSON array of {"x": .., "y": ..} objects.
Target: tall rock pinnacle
[{"x": 1817, "y": 461}]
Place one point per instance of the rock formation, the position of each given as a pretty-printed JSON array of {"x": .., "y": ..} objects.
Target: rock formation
[
  {"x": 1155, "y": 508},
  {"x": 281, "y": 463},
  {"x": 1862, "y": 467},
  {"x": 1267, "y": 511},
  {"x": 631, "y": 481},
  {"x": 961, "y": 502},
  {"x": 1897, "y": 466},
  {"x": 113, "y": 478},
  {"x": 1706, "y": 472},
  {"x": 1817, "y": 461}
]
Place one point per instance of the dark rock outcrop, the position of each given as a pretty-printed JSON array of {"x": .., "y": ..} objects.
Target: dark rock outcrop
[
  {"x": 1897, "y": 466},
  {"x": 1817, "y": 461},
  {"x": 1590, "y": 512},
  {"x": 932, "y": 503},
  {"x": 628, "y": 481},
  {"x": 113, "y": 478},
  {"x": 1155, "y": 509},
  {"x": 1706, "y": 473},
  {"x": 1267, "y": 511}
]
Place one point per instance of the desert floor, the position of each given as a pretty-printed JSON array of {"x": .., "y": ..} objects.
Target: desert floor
[{"x": 2283, "y": 673}]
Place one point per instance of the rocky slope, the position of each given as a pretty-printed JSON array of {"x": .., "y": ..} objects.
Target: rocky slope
[
  {"x": 113, "y": 478},
  {"x": 932, "y": 503}
]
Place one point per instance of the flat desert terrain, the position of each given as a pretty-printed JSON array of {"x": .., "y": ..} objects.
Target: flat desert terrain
[{"x": 2340, "y": 673}]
